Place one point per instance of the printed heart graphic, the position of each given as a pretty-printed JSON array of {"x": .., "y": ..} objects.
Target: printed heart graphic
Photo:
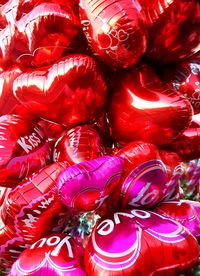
[
  {"x": 53, "y": 254},
  {"x": 187, "y": 145},
  {"x": 73, "y": 89},
  {"x": 119, "y": 40},
  {"x": 142, "y": 107},
  {"x": 141, "y": 242},
  {"x": 79, "y": 144}
]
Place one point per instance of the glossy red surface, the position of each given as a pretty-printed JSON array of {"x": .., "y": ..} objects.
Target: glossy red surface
[
  {"x": 143, "y": 108},
  {"x": 39, "y": 37},
  {"x": 175, "y": 33},
  {"x": 115, "y": 30},
  {"x": 24, "y": 149},
  {"x": 79, "y": 144},
  {"x": 187, "y": 145},
  {"x": 185, "y": 78},
  {"x": 70, "y": 92}
]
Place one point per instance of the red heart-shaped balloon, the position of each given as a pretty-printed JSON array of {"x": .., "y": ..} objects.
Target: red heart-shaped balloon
[
  {"x": 184, "y": 212},
  {"x": 185, "y": 78},
  {"x": 142, "y": 107},
  {"x": 39, "y": 37},
  {"x": 138, "y": 242},
  {"x": 79, "y": 144},
  {"x": 187, "y": 145},
  {"x": 72, "y": 89},
  {"x": 115, "y": 30},
  {"x": 8, "y": 103},
  {"x": 24, "y": 149},
  {"x": 57, "y": 254},
  {"x": 32, "y": 210},
  {"x": 175, "y": 34}
]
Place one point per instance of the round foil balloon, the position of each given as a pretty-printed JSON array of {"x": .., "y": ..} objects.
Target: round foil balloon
[
  {"x": 184, "y": 211},
  {"x": 55, "y": 255},
  {"x": 185, "y": 78},
  {"x": 24, "y": 149},
  {"x": 79, "y": 144},
  {"x": 175, "y": 34},
  {"x": 115, "y": 30},
  {"x": 31, "y": 211},
  {"x": 39, "y": 37},
  {"x": 187, "y": 145},
  {"x": 142, "y": 107},
  {"x": 72, "y": 89},
  {"x": 138, "y": 242},
  {"x": 85, "y": 186},
  {"x": 144, "y": 180}
]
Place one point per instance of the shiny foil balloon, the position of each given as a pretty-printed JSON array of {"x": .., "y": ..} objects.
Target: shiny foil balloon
[
  {"x": 185, "y": 212},
  {"x": 175, "y": 34},
  {"x": 115, "y": 30},
  {"x": 142, "y": 108},
  {"x": 24, "y": 149},
  {"x": 70, "y": 92},
  {"x": 55, "y": 255},
  {"x": 187, "y": 145},
  {"x": 31, "y": 211},
  {"x": 144, "y": 180},
  {"x": 185, "y": 78},
  {"x": 85, "y": 186},
  {"x": 39, "y": 37},
  {"x": 79, "y": 144},
  {"x": 138, "y": 242}
]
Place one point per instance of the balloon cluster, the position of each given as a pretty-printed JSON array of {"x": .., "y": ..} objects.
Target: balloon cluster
[{"x": 99, "y": 137}]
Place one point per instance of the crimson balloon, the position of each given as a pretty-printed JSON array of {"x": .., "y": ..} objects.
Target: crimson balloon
[
  {"x": 115, "y": 30},
  {"x": 24, "y": 149},
  {"x": 73, "y": 89},
  {"x": 57, "y": 254},
  {"x": 79, "y": 144},
  {"x": 138, "y": 242},
  {"x": 31, "y": 211},
  {"x": 185, "y": 212},
  {"x": 142, "y": 107}
]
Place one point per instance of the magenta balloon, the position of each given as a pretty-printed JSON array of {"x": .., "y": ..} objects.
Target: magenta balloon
[{"x": 86, "y": 185}]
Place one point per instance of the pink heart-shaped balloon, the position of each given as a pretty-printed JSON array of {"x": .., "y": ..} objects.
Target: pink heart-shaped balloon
[
  {"x": 73, "y": 89},
  {"x": 187, "y": 145},
  {"x": 115, "y": 30},
  {"x": 144, "y": 180},
  {"x": 85, "y": 186},
  {"x": 138, "y": 242},
  {"x": 79, "y": 144},
  {"x": 24, "y": 149},
  {"x": 31, "y": 211},
  {"x": 142, "y": 107},
  {"x": 57, "y": 254}
]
